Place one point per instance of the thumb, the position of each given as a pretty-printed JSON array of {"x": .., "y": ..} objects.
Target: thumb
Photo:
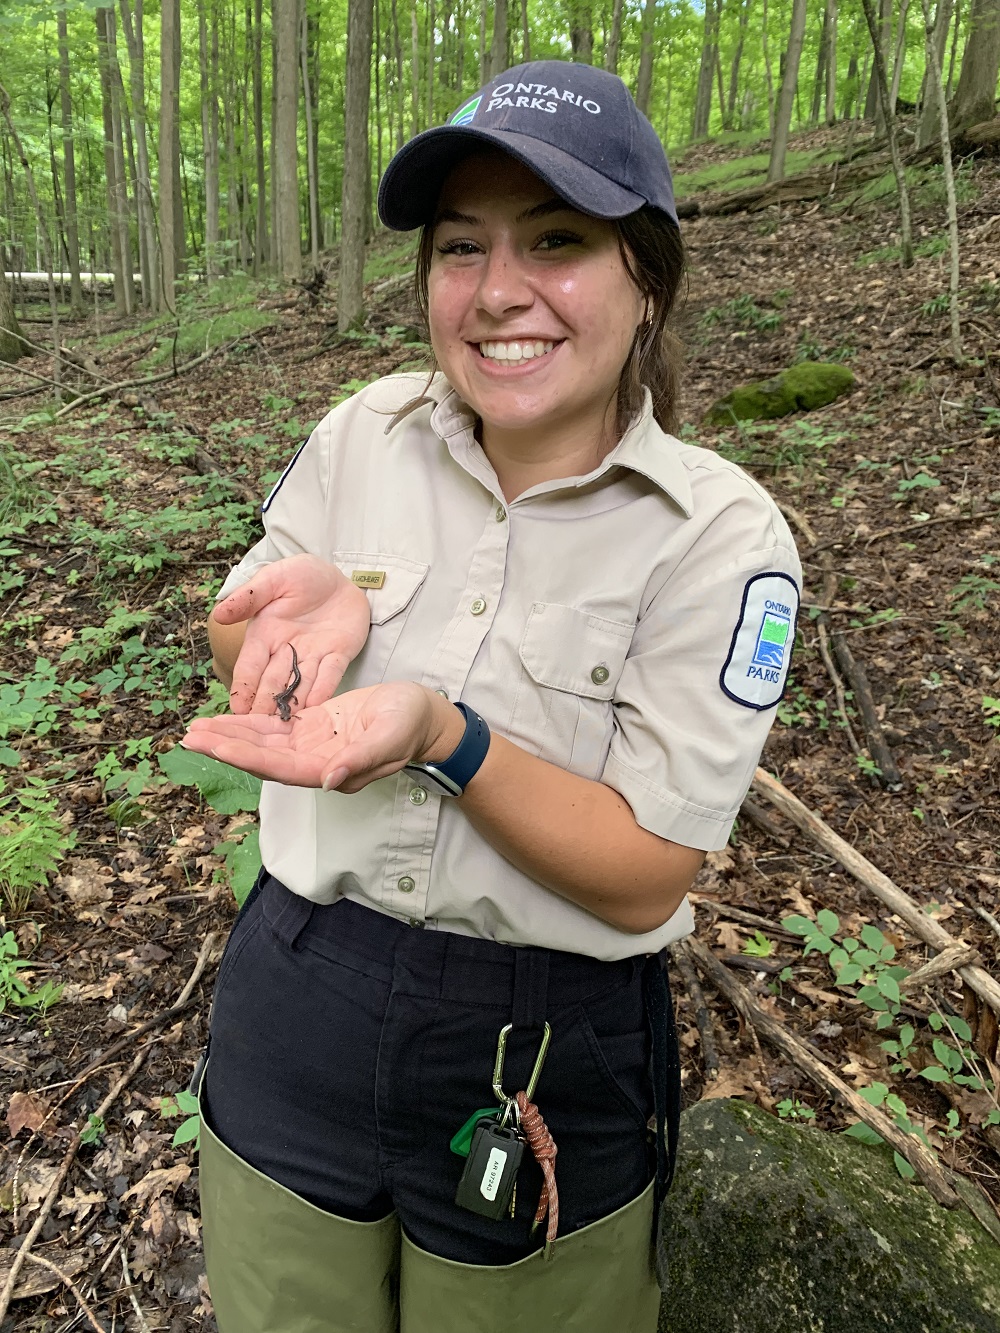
[{"x": 252, "y": 597}]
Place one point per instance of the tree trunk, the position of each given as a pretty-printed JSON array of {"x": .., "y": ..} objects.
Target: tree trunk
[
  {"x": 288, "y": 242},
  {"x": 935, "y": 89},
  {"x": 110, "y": 164},
  {"x": 262, "y": 247},
  {"x": 768, "y": 75},
  {"x": 415, "y": 69},
  {"x": 783, "y": 114},
  {"x": 899, "y": 56},
  {"x": 975, "y": 96},
  {"x": 400, "y": 90},
  {"x": 119, "y": 117},
  {"x": 525, "y": 35},
  {"x": 357, "y": 180},
  {"x": 311, "y": 170},
  {"x": 484, "y": 55},
  {"x": 819, "y": 82},
  {"x": 954, "y": 47},
  {"x": 928, "y": 126},
  {"x": 69, "y": 175},
  {"x": 831, "y": 62},
  {"x": 882, "y": 83},
  {"x": 431, "y": 53},
  {"x": 169, "y": 98},
  {"x": 873, "y": 103},
  {"x": 498, "y": 45},
  {"x": 703, "y": 94},
  {"x": 144, "y": 194},
  {"x": 614, "y": 41},
  {"x": 581, "y": 32},
  {"x": 11, "y": 346},
  {"x": 729, "y": 117},
  {"x": 644, "y": 84},
  {"x": 210, "y": 137}
]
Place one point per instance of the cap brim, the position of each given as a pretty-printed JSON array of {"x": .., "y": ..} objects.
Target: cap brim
[{"x": 409, "y": 189}]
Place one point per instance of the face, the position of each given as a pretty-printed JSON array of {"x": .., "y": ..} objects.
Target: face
[{"x": 532, "y": 313}]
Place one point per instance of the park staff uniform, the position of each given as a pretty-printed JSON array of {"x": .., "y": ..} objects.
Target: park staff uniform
[{"x": 632, "y": 625}]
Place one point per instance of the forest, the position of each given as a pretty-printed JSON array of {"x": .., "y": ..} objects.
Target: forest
[{"x": 193, "y": 274}]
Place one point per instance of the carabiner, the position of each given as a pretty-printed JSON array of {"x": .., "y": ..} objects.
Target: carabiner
[{"x": 509, "y": 1104}]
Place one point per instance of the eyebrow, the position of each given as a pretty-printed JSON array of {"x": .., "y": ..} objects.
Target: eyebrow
[{"x": 553, "y": 205}]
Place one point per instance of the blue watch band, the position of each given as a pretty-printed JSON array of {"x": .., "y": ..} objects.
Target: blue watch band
[{"x": 452, "y": 775}]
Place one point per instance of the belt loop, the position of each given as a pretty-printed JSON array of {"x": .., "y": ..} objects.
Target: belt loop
[
  {"x": 291, "y": 918},
  {"x": 531, "y": 986}
]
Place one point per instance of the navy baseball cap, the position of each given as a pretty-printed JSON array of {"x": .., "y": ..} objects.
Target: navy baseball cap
[{"x": 575, "y": 126}]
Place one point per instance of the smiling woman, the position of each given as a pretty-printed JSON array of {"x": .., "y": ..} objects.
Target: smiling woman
[{"x": 536, "y": 653}]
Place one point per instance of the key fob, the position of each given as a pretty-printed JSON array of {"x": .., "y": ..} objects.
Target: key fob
[{"x": 487, "y": 1184}]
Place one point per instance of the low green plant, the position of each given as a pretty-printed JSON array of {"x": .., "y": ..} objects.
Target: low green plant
[
  {"x": 186, "y": 1104},
  {"x": 991, "y": 710},
  {"x": 742, "y": 310},
  {"x": 758, "y": 947},
  {"x": 229, "y": 791},
  {"x": 792, "y": 1109},
  {"x": 94, "y": 1130},
  {"x": 33, "y": 841},
  {"x": 906, "y": 487},
  {"x": 973, "y": 591},
  {"x": 15, "y": 991}
]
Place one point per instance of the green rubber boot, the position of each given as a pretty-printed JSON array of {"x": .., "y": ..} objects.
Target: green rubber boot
[
  {"x": 599, "y": 1279},
  {"x": 277, "y": 1264}
]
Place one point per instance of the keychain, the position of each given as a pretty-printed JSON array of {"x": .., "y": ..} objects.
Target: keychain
[{"x": 489, "y": 1182}]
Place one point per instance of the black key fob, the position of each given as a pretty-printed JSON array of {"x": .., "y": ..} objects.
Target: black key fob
[{"x": 487, "y": 1184}]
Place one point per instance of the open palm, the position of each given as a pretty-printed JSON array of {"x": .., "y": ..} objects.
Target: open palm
[{"x": 345, "y": 742}]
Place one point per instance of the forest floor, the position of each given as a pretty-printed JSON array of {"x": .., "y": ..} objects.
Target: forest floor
[{"x": 113, "y": 544}]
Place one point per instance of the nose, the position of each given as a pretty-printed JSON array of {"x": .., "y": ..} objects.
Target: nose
[{"x": 503, "y": 284}]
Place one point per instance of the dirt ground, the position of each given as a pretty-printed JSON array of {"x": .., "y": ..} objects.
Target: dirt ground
[{"x": 913, "y": 572}]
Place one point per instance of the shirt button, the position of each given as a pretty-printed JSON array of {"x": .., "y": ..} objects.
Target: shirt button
[
  {"x": 406, "y": 884},
  {"x": 418, "y": 795},
  {"x": 442, "y": 691},
  {"x": 501, "y": 513},
  {"x": 599, "y": 675},
  {"x": 478, "y": 607}
]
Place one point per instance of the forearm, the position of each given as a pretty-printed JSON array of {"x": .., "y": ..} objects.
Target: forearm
[
  {"x": 226, "y": 642},
  {"x": 576, "y": 837}
]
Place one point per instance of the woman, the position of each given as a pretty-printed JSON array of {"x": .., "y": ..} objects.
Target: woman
[{"x": 556, "y": 635}]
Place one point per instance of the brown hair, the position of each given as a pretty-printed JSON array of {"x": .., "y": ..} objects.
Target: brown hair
[{"x": 653, "y": 254}]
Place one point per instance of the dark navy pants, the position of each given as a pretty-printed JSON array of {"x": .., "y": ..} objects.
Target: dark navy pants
[{"x": 348, "y": 1047}]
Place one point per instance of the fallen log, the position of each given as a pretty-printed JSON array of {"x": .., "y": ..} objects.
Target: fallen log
[{"x": 878, "y": 746}]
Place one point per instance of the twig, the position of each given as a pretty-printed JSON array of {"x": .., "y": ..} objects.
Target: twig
[
  {"x": 878, "y": 746},
  {"x": 948, "y": 960},
  {"x": 915, "y": 527},
  {"x": 68, "y": 1281},
  {"x": 759, "y": 816},
  {"x": 702, "y": 1013},
  {"x": 923, "y": 926},
  {"x": 130, "y": 1288},
  {"x": 988, "y": 917},
  {"x": 208, "y": 944},
  {"x": 922, "y": 1159},
  {"x": 60, "y": 355},
  {"x": 751, "y": 919}
]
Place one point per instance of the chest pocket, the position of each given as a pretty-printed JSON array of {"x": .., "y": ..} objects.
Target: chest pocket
[
  {"x": 571, "y": 664},
  {"x": 391, "y": 583}
]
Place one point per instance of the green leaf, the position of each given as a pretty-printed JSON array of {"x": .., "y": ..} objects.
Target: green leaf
[
  {"x": 949, "y": 1057},
  {"x": 828, "y": 921},
  {"x": 864, "y": 1132},
  {"x": 190, "y": 1129},
  {"x": 935, "y": 1021},
  {"x": 961, "y": 1028},
  {"x": 865, "y": 957},
  {"x": 884, "y": 1020},
  {"x": 873, "y": 937},
  {"x": 935, "y": 1074},
  {"x": 849, "y": 974},
  {"x": 226, "y": 789},
  {"x": 888, "y": 987},
  {"x": 906, "y": 1034},
  {"x": 798, "y": 925},
  {"x": 187, "y": 1102},
  {"x": 875, "y": 1093},
  {"x": 903, "y": 1167},
  {"x": 850, "y": 945}
]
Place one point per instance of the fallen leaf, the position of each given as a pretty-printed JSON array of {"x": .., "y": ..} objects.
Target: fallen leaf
[
  {"x": 729, "y": 938},
  {"x": 721, "y": 860},
  {"x": 730, "y": 1083},
  {"x": 33, "y": 1183},
  {"x": 96, "y": 990},
  {"x": 156, "y": 1182},
  {"x": 86, "y": 887},
  {"x": 25, "y": 1109},
  {"x": 160, "y": 1224},
  {"x": 80, "y": 1204},
  {"x": 799, "y": 902}
]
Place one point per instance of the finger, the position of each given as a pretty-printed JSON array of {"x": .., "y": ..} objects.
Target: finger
[
  {"x": 250, "y": 666},
  {"x": 251, "y": 727},
  {"x": 268, "y": 763},
  {"x": 329, "y": 674},
  {"x": 275, "y": 679},
  {"x": 250, "y": 598}
]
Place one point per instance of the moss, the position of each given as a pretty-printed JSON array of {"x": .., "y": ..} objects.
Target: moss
[
  {"x": 801, "y": 388},
  {"x": 801, "y": 1230}
]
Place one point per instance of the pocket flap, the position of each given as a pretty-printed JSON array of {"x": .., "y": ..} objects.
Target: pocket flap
[
  {"x": 572, "y": 650},
  {"x": 389, "y": 580}
]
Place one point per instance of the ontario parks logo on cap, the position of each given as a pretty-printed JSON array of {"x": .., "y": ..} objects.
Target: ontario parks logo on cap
[
  {"x": 464, "y": 114},
  {"x": 760, "y": 652}
]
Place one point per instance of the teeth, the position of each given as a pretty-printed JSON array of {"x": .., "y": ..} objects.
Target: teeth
[{"x": 514, "y": 353}]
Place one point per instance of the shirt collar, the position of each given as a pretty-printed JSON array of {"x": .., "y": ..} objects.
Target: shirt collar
[{"x": 644, "y": 448}]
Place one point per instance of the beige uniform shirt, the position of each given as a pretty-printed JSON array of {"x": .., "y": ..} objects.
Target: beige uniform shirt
[{"x": 633, "y": 626}]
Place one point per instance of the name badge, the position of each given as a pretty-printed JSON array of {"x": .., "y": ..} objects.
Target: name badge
[{"x": 368, "y": 578}]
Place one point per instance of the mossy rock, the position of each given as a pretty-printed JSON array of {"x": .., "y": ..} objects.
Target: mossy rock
[
  {"x": 777, "y": 1228},
  {"x": 800, "y": 388}
]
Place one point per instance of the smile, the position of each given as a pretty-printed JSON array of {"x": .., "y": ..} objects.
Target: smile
[{"x": 515, "y": 353}]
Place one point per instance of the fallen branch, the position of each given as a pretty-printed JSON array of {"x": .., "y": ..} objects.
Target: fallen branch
[
  {"x": 912, "y": 527},
  {"x": 68, "y": 1281},
  {"x": 759, "y": 816},
  {"x": 888, "y": 893},
  {"x": 878, "y": 746},
  {"x": 948, "y": 960},
  {"x": 702, "y": 1013},
  {"x": 922, "y": 1159}
]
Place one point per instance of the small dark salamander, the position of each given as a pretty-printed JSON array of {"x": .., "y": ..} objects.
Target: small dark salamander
[{"x": 287, "y": 695}]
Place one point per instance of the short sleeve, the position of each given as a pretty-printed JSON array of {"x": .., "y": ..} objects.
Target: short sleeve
[{"x": 705, "y": 671}]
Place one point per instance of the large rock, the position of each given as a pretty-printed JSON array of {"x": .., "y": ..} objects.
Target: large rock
[
  {"x": 775, "y": 1228},
  {"x": 800, "y": 388}
]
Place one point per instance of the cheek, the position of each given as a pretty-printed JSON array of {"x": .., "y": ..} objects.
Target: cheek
[{"x": 447, "y": 301}]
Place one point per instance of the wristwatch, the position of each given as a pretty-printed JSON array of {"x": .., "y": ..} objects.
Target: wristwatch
[{"x": 451, "y": 776}]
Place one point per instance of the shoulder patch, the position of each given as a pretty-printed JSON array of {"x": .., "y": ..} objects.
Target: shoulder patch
[
  {"x": 281, "y": 480},
  {"x": 761, "y": 650}
]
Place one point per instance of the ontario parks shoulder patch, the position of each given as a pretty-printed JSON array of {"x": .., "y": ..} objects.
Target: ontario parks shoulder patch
[{"x": 759, "y": 655}]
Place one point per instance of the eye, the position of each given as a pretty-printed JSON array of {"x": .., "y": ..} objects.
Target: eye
[
  {"x": 556, "y": 240},
  {"x": 457, "y": 247}
]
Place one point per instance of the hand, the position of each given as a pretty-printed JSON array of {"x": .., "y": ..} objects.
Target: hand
[
  {"x": 301, "y": 602},
  {"x": 344, "y": 743}
]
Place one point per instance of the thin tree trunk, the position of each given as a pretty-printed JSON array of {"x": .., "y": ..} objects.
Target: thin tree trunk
[
  {"x": 768, "y": 74},
  {"x": 119, "y": 119},
  {"x": 69, "y": 171},
  {"x": 431, "y": 53},
  {"x": 644, "y": 84},
  {"x": 11, "y": 346},
  {"x": 144, "y": 194},
  {"x": 169, "y": 99},
  {"x": 400, "y": 88},
  {"x": 614, "y": 41},
  {"x": 262, "y": 248},
  {"x": 831, "y": 62},
  {"x": 729, "y": 116},
  {"x": 357, "y": 177},
  {"x": 378, "y": 90},
  {"x": 703, "y": 94},
  {"x": 498, "y": 46},
  {"x": 899, "y": 56},
  {"x": 882, "y": 83},
  {"x": 954, "y": 47},
  {"x": 210, "y": 137},
  {"x": 526, "y": 36},
  {"x": 110, "y": 164},
  {"x": 935, "y": 89},
  {"x": 928, "y": 126},
  {"x": 415, "y": 69},
  {"x": 310, "y": 147},
  {"x": 286, "y": 182},
  {"x": 786, "y": 98},
  {"x": 581, "y": 32},
  {"x": 484, "y": 56},
  {"x": 975, "y": 96},
  {"x": 819, "y": 82}
]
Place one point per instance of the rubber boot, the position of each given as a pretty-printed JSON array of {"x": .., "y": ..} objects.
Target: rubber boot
[
  {"x": 277, "y": 1264},
  {"x": 599, "y": 1279}
]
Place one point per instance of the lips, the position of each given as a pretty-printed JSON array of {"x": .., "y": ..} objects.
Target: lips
[{"x": 514, "y": 352}]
